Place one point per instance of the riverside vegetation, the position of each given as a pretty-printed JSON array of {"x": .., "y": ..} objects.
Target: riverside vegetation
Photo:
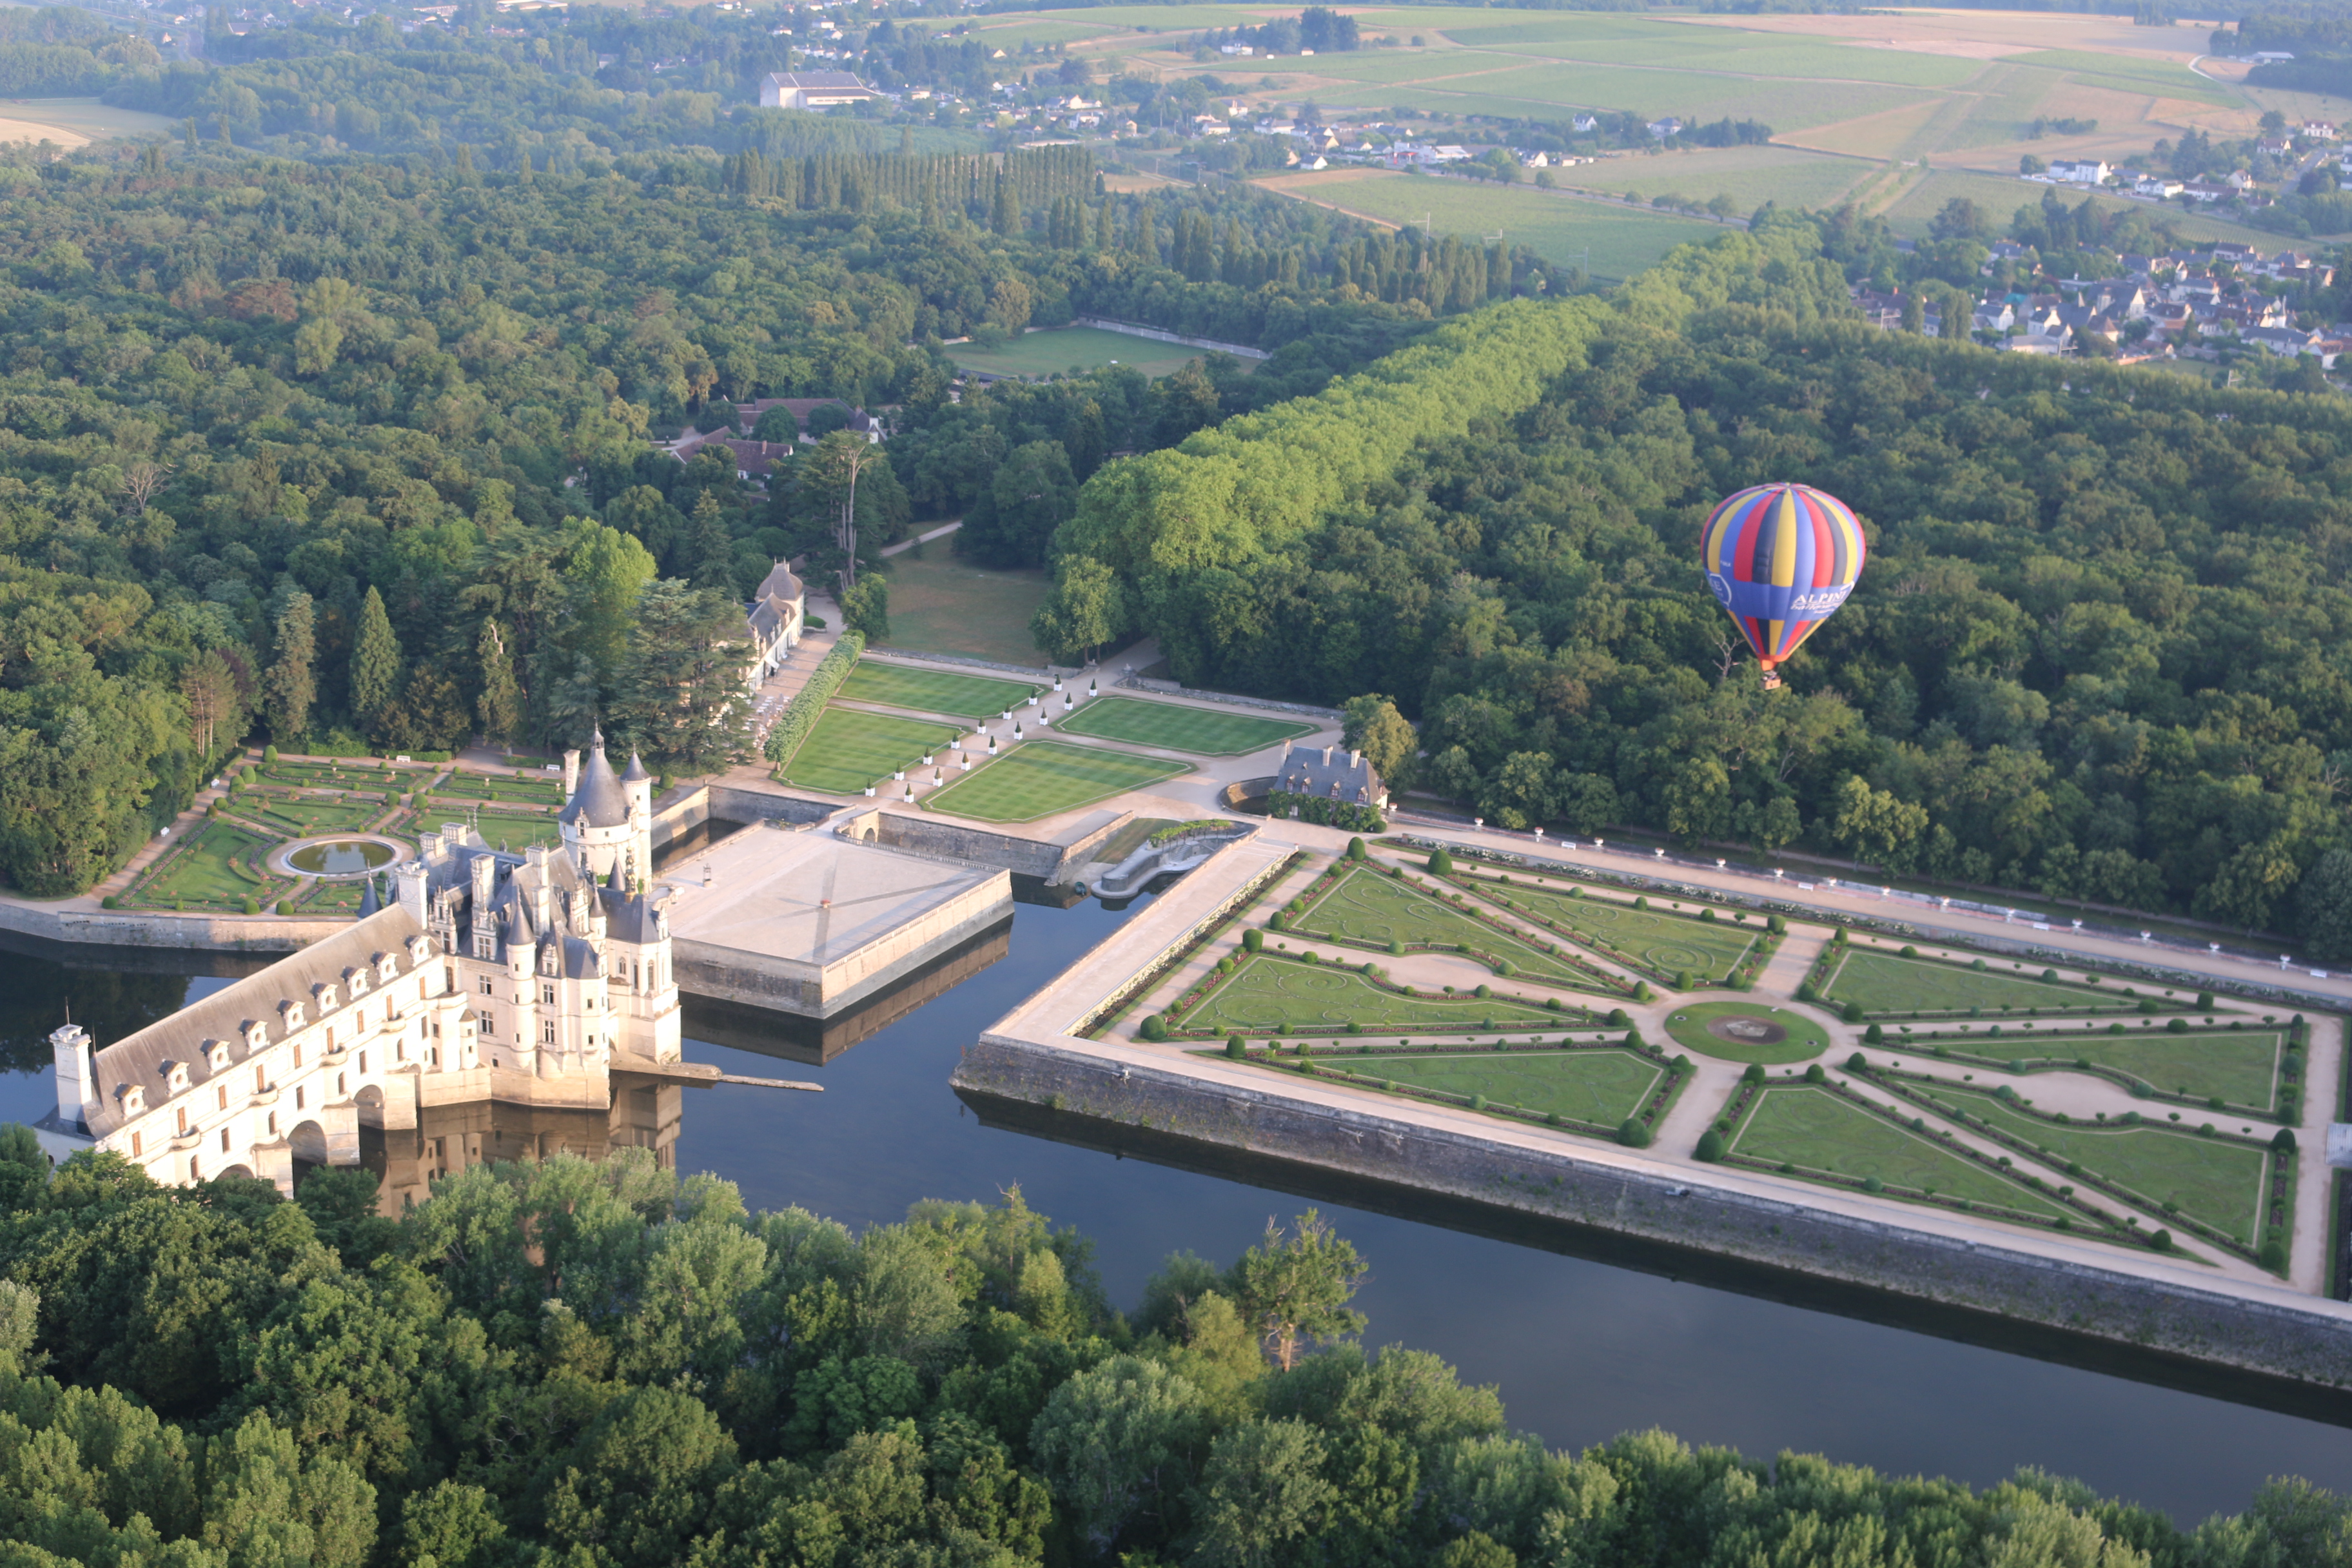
[{"x": 606, "y": 1365}]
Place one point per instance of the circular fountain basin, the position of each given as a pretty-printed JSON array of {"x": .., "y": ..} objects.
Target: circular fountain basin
[{"x": 339, "y": 856}]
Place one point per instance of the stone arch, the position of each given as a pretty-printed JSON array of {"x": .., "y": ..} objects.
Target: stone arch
[
  {"x": 245, "y": 1171},
  {"x": 308, "y": 1143}
]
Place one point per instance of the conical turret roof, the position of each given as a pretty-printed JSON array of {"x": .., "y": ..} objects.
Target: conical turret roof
[
  {"x": 600, "y": 802},
  {"x": 636, "y": 773}
]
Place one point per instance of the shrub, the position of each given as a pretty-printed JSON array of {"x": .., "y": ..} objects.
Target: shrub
[
  {"x": 1682, "y": 979},
  {"x": 2284, "y": 1140},
  {"x": 1278, "y": 921},
  {"x": 2161, "y": 1241},
  {"x": 107, "y": 902},
  {"x": 1237, "y": 1048},
  {"x": 1553, "y": 1003},
  {"x": 1875, "y": 1035},
  {"x": 1506, "y": 968},
  {"x": 269, "y": 756},
  {"x": 1837, "y": 937},
  {"x": 1706, "y": 915},
  {"x": 1254, "y": 940},
  {"x": 252, "y": 905},
  {"x": 1355, "y": 849},
  {"x": 1978, "y": 964},
  {"x": 1775, "y": 924},
  {"x": 1814, "y": 1074},
  {"x": 1633, "y": 1134},
  {"x": 1396, "y": 948},
  {"x": 1852, "y": 1012},
  {"x": 2274, "y": 1255},
  {"x": 1477, "y": 1102},
  {"x": 285, "y": 906},
  {"x": 1805, "y": 992},
  {"x": 1641, "y": 902},
  {"x": 1910, "y": 952},
  {"x": 1552, "y": 1118},
  {"x": 1857, "y": 1063},
  {"x": 2177, "y": 1026},
  {"x": 1641, "y": 992},
  {"x": 1440, "y": 863},
  {"x": 1873, "y": 1184},
  {"x": 1633, "y": 1039},
  {"x": 2204, "y": 1001},
  {"x": 1354, "y": 1028},
  {"x": 1484, "y": 991},
  {"x": 1710, "y": 1146},
  {"x": 1755, "y": 1073},
  {"x": 2114, "y": 1028},
  {"x": 1154, "y": 1027},
  {"x": 1618, "y": 1018}
]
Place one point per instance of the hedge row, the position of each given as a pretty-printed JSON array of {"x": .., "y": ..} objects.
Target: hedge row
[{"x": 799, "y": 715}]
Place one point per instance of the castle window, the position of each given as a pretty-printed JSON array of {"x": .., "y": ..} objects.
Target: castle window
[
  {"x": 485, "y": 985},
  {"x": 298, "y": 1100},
  {"x": 547, "y": 994},
  {"x": 224, "y": 1139},
  {"x": 183, "y": 1122},
  {"x": 362, "y": 1061},
  {"x": 222, "y": 1092},
  {"x": 273, "y": 1124},
  {"x": 549, "y": 1027},
  {"x": 137, "y": 1147},
  {"x": 260, "y": 1080}
]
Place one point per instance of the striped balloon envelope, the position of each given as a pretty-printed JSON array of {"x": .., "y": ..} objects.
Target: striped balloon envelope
[{"x": 1780, "y": 559}]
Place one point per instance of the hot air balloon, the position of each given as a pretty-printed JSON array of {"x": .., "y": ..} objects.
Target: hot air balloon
[{"x": 1780, "y": 559}]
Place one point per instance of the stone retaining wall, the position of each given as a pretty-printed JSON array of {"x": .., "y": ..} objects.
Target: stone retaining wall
[
  {"x": 149, "y": 928},
  {"x": 2268, "y": 1334},
  {"x": 1162, "y": 335},
  {"x": 1176, "y": 688},
  {"x": 942, "y": 840}
]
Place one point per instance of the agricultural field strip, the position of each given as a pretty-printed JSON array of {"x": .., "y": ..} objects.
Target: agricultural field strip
[
  {"x": 1677, "y": 942},
  {"x": 1372, "y": 908},
  {"x": 1813, "y": 1129},
  {"x": 1271, "y": 994},
  {"x": 2157, "y": 1163}
]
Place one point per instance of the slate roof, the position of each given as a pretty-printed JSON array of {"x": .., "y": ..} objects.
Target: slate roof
[
  {"x": 1330, "y": 774},
  {"x": 600, "y": 801}
]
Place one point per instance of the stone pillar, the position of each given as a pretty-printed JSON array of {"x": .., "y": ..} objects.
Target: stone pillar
[
  {"x": 340, "y": 1122},
  {"x": 274, "y": 1162},
  {"x": 399, "y": 1109}
]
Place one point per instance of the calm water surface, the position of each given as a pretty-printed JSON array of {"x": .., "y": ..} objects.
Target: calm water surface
[{"x": 1582, "y": 1349}]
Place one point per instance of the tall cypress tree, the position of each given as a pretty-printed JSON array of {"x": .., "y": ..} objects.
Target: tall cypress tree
[
  {"x": 1006, "y": 219},
  {"x": 376, "y": 664},
  {"x": 293, "y": 683}
]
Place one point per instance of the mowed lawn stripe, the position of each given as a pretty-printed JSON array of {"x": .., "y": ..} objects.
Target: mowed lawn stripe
[
  {"x": 1041, "y": 778},
  {"x": 849, "y": 750},
  {"x": 1371, "y": 906},
  {"x": 1663, "y": 940},
  {"x": 1601, "y": 1087},
  {"x": 1814, "y": 1129},
  {"x": 1176, "y": 727},
  {"x": 934, "y": 691},
  {"x": 1274, "y": 995}
]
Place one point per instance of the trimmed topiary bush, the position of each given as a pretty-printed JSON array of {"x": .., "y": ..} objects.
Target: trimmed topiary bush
[
  {"x": 1851, "y": 1013},
  {"x": 1814, "y": 1074},
  {"x": 1633, "y": 1134},
  {"x": 1355, "y": 849},
  {"x": 1441, "y": 864},
  {"x": 1875, "y": 1035},
  {"x": 1154, "y": 1027},
  {"x": 1755, "y": 1073},
  {"x": 2273, "y": 1255},
  {"x": 1873, "y": 1184},
  {"x": 1237, "y": 1048},
  {"x": 1710, "y": 1146},
  {"x": 1254, "y": 940},
  {"x": 1857, "y": 1063}
]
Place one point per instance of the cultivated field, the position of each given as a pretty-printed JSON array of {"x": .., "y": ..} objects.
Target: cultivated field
[
  {"x": 1043, "y": 778},
  {"x": 1171, "y": 726}
]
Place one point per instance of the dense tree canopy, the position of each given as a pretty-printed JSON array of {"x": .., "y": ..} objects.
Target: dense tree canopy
[{"x": 606, "y": 1365}]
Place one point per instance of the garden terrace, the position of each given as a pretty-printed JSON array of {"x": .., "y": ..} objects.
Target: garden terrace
[
  {"x": 1045, "y": 778},
  {"x": 1811, "y": 1131},
  {"x": 1667, "y": 947},
  {"x": 1591, "y": 1089},
  {"x": 1275, "y": 993},
  {"x": 967, "y": 697},
  {"x": 1173, "y": 727},
  {"x": 500, "y": 787},
  {"x": 849, "y": 750},
  {"x": 2219, "y": 1179},
  {"x": 1889, "y": 986},
  {"x": 1366, "y": 907},
  {"x": 305, "y": 816},
  {"x": 218, "y": 866},
  {"x": 2242, "y": 1068}
]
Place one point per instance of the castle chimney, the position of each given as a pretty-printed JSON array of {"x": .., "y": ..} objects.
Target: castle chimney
[
  {"x": 571, "y": 775},
  {"x": 408, "y": 879},
  {"x": 76, "y": 1075},
  {"x": 1355, "y": 759}
]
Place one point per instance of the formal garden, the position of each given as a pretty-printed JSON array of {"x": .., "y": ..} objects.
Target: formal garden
[
  {"x": 1747, "y": 1032},
  {"x": 1277, "y": 994},
  {"x": 1906, "y": 986},
  {"x": 2240, "y": 1067},
  {"x": 1043, "y": 778},
  {"x": 1366, "y": 907},
  {"x": 850, "y": 749},
  {"x": 1173, "y": 727},
  {"x": 971, "y": 698},
  {"x": 1677, "y": 949}
]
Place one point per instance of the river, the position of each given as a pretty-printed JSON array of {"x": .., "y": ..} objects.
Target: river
[{"x": 1584, "y": 1343}]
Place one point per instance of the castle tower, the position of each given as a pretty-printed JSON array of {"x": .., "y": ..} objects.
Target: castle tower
[{"x": 605, "y": 830}]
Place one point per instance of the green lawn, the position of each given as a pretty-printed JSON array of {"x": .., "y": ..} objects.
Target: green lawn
[
  {"x": 849, "y": 750},
  {"x": 1752, "y": 176},
  {"x": 325, "y": 775},
  {"x": 305, "y": 817},
  {"x": 1271, "y": 994},
  {"x": 1621, "y": 239},
  {"x": 1601, "y": 1087},
  {"x": 1889, "y": 986},
  {"x": 504, "y": 830},
  {"x": 941, "y": 604},
  {"x": 1061, "y": 349},
  {"x": 1370, "y": 906},
  {"x": 2239, "y": 1064},
  {"x": 480, "y": 786},
  {"x": 1802, "y": 1039},
  {"x": 1176, "y": 727},
  {"x": 199, "y": 873},
  {"x": 972, "y": 696},
  {"x": 1041, "y": 778},
  {"x": 2218, "y": 1182},
  {"x": 1814, "y": 1129},
  {"x": 1666, "y": 943}
]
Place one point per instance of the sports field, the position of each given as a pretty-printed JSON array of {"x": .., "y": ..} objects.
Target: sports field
[
  {"x": 1273, "y": 996},
  {"x": 1665, "y": 944},
  {"x": 1173, "y": 727},
  {"x": 1058, "y": 350},
  {"x": 1888, "y": 985},
  {"x": 2218, "y": 1182},
  {"x": 2239, "y": 1064},
  {"x": 1747, "y": 1032},
  {"x": 849, "y": 750},
  {"x": 1814, "y": 1129},
  {"x": 1601, "y": 1087},
  {"x": 1041, "y": 778},
  {"x": 970, "y": 697},
  {"x": 1377, "y": 910}
]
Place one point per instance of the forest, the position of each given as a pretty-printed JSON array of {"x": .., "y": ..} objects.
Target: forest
[
  {"x": 607, "y": 1365},
  {"x": 2098, "y": 652},
  {"x": 259, "y": 413}
]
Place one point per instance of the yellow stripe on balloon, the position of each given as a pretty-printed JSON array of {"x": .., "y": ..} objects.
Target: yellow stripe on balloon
[{"x": 1784, "y": 542}]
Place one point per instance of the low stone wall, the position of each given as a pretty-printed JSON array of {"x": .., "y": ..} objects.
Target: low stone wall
[
  {"x": 2268, "y": 1334},
  {"x": 727, "y": 803},
  {"x": 149, "y": 928},
  {"x": 974, "y": 846},
  {"x": 1244, "y": 790}
]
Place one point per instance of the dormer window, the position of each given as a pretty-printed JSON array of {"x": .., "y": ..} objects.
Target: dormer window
[
  {"x": 257, "y": 1035},
  {"x": 357, "y": 981},
  {"x": 293, "y": 1011},
  {"x": 326, "y": 995},
  {"x": 218, "y": 1055},
  {"x": 387, "y": 968},
  {"x": 135, "y": 1099},
  {"x": 176, "y": 1076}
]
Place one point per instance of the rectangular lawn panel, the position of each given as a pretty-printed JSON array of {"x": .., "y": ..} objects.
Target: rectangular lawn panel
[
  {"x": 201, "y": 874},
  {"x": 1599, "y": 1087},
  {"x": 1176, "y": 727},
  {"x": 1815, "y": 1131},
  {"x": 1372, "y": 908},
  {"x": 2239, "y": 1064},
  {"x": 309, "y": 817},
  {"x": 934, "y": 691},
  {"x": 2218, "y": 1182},
  {"x": 515, "y": 831},
  {"x": 1275, "y": 995},
  {"x": 849, "y": 750},
  {"x": 1888, "y": 985},
  {"x": 1041, "y": 778},
  {"x": 1659, "y": 942}
]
